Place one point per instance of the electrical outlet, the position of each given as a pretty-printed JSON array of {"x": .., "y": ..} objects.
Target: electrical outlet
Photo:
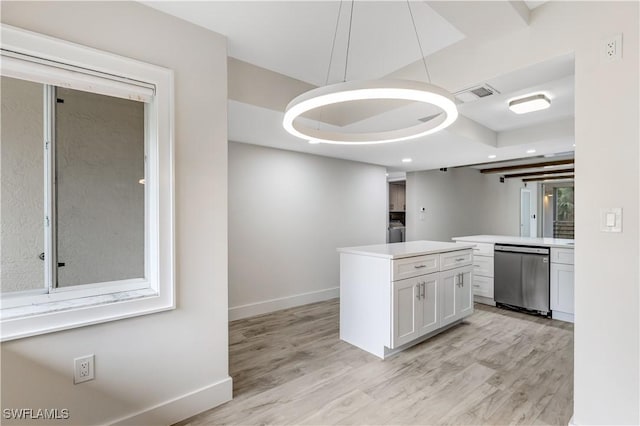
[
  {"x": 612, "y": 48},
  {"x": 83, "y": 369}
]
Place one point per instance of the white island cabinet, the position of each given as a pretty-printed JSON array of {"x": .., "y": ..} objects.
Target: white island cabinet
[{"x": 393, "y": 296}]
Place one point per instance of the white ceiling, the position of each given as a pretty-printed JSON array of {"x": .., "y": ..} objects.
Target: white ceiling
[{"x": 294, "y": 38}]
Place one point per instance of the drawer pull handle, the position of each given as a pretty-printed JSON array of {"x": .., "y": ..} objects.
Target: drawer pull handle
[
  {"x": 460, "y": 259},
  {"x": 419, "y": 266},
  {"x": 477, "y": 285},
  {"x": 476, "y": 266}
]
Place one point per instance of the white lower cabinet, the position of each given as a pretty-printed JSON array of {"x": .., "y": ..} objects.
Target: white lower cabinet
[
  {"x": 483, "y": 272},
  {"x": 456, "y": 295},
  {"x": 389, "y": 302},
  {"x": 561, "y": 285},
  {"x": 562, "y": 288},
  {"x": 425, "y": 303},
  {"x": 414, "y": 308}
]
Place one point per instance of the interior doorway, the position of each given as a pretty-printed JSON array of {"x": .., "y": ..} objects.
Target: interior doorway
[
  {"x": 558, "y": 210},
  {"x": 396, "y": 228}
]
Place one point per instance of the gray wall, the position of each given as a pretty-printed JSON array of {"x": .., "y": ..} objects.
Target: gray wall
[
  {"x": 21, "y": 186},
  {"x": 100, "y": 202},
  {"x": 288, "y": 212},
  {"x": 146, "y": 361},
  {"x": 461, "y": 202}
]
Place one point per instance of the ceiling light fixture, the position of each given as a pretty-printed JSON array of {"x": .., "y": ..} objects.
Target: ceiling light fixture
[
  {"x": 530, "y": 104},
  {"x": 407, "y": 160},
  {"x": 346, "y": 91},
  {"x": 492, "y": 156},
  {"x": 531, "y": 151}
]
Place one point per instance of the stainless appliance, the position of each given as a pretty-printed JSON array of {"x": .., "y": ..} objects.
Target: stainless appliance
[
  {"x": 522, "y": 277},
  {"x": 396, "y": 232}
]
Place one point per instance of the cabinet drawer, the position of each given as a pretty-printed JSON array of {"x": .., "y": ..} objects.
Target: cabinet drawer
[
  {"x": 483, "y": 249},
  {"x": 483, "y": 286},
  {"x": 414, "y": 266},
  {"x": 455, "y": 259},
  {"x": 562, "y": 255},
  {"x": 483, "y": 265}
]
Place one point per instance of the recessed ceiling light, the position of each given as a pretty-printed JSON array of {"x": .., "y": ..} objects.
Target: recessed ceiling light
[
  {"x": 492, "y": 156},
  {"x": 574, "y": 145},
  {"x": 529, "y": 104},
  {"x": 531, "y": 151},
  {"x": 407, "y": 160},
  {"x": 314, "y": 141}
]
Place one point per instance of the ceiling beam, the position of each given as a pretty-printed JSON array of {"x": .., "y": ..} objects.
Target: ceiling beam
[
  {"x": 562, "y": 129},
  {"x": 472, "y": 130},
  {"x": 539, "y": 173},
  {"x": 522, "y": 9},
  {"x": 538, "y": 179},
  {"x": 528, "y": 166}
]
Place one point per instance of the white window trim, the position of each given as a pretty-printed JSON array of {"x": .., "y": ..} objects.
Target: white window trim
[{"x": 91, "y": 304}]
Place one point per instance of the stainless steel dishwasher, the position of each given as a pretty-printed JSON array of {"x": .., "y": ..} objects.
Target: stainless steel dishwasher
[{"x": 522, "y": 277}]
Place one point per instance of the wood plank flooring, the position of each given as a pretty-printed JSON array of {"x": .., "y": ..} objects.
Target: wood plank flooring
[{"x": 497, "y": 367}]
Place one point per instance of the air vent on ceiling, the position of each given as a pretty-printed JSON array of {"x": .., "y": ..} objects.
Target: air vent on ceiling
[{"x": 474, "y": 93}]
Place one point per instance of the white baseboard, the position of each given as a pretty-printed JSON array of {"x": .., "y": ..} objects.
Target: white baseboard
[
  {"x": 264, "y": 307},
  {"x": 182, "y": 407},
  {"x": 562, "y": 316},
  {"x": 484, "y": 300}
]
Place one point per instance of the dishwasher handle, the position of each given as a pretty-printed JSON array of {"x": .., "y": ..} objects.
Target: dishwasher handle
[{"x": 522, "y": 249}]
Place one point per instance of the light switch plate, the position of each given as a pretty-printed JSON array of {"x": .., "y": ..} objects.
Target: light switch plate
[{"x": 611, "y": 219}]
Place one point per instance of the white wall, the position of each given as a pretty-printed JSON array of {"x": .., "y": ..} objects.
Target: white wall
[
  {"x": 288, "y": 212},
  {"x": 150, "y": 360},
  {"x": 607, "y": 328},
  {"x": 21, "y": 227},
  {"x": 462, "y": 201}
]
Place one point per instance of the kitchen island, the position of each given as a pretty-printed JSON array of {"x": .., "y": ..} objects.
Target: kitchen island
[
  {"x": 393, "y": 296},
  {"x": 561, "y": 273}
]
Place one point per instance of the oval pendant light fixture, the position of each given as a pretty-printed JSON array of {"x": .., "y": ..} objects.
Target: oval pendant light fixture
[{"x": 359, "y": 90}]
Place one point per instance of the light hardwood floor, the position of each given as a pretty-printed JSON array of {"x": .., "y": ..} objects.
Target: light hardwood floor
[{"x": 497, "y": 367}]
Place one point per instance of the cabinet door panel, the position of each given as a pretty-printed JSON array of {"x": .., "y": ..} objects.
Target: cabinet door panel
[
  {"x": 405, "y": 297},
  {"x": 464, "y": 295},
  {"x": 429, "y": 319},
  {"x": 562, "y": 288},
  {"x": 448, "y": 285}
]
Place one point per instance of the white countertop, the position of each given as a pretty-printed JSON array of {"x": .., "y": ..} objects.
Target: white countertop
[
  {"x": 408, "y": 249},
  {"x": 525, "y": 241}
]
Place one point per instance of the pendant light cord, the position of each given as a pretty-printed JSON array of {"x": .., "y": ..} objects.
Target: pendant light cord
[
  {"x": 333, "y": 44},
  {"x": 424, "y": 61},
  {"x": 346, "y": 59}
]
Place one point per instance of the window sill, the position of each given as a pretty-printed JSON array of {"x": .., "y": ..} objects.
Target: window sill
[{"x": 35, "y": 319}]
